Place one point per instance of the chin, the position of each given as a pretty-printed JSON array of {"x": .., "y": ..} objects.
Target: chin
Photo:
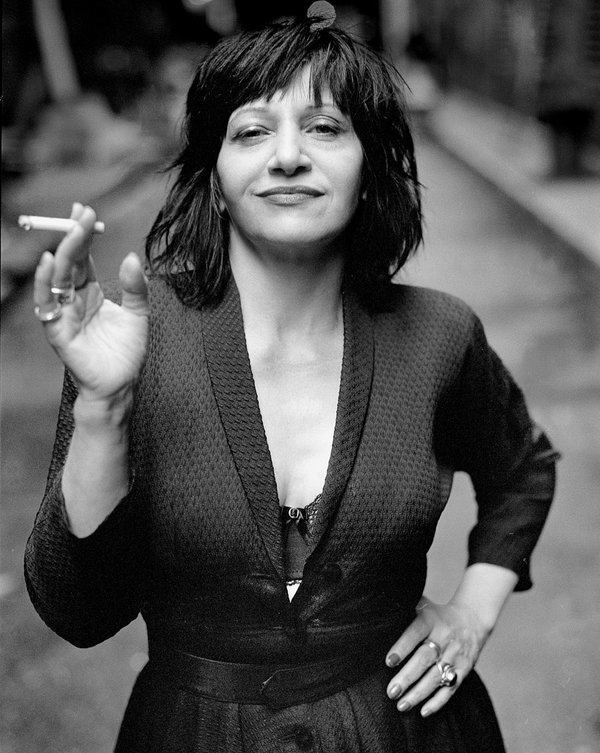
[
  {"x": 305, "y": 232},
  {"x": 299, "y": 245}
]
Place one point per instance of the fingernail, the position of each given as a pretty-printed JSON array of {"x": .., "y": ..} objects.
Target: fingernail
[
  {"x": 426, "y": 712},
  {"x": 403, "y": 706},
  {"x": 395, "y": 691},
  {"x": 392, "y": 660}
]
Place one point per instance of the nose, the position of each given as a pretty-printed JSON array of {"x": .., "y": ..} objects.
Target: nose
[{"x": 289, "y": 155}]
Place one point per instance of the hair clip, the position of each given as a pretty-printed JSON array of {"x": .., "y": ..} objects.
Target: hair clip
[{"x": 323, "y": 13}]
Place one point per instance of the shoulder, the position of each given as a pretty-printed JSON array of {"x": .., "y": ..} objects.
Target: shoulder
[
  {"x": 427, "y": 313},
  {"x": 424, "y": 332},
  {"x": 162, "y": 295}
]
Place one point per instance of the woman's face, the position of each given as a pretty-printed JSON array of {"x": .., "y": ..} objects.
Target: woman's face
[{"x": 290, "y": 171}]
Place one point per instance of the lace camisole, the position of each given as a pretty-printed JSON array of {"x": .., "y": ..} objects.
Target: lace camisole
[{"x": 298, "y": 525}]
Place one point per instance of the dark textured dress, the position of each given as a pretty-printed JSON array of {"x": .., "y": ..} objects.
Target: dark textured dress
[{"x": 196, "y": 545}]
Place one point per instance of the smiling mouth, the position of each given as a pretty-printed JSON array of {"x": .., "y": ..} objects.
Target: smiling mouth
[
  {"x": 289, "y": 195},
  {"x": 290, "y": 191}
]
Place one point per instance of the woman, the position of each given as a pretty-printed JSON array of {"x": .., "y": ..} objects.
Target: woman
[{"x": 255, "y": 447}]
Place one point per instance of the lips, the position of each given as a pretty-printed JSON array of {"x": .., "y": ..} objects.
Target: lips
[{"x": 290, "y": 191}]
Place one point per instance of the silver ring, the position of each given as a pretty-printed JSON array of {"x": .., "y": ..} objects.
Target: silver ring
[
  {"x": 63, "y": 295},
  {"x": 448, "y": 674},
  {"x": 435, "y": 647},
  {"x": 48, "y": 316}
]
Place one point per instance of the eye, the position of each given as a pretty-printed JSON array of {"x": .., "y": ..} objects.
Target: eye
[
  {"x": 249, "y": 134},
  {"x": 325, "y": 127}
]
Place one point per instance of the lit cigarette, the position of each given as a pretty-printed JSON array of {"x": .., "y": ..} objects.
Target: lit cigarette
[{"x": 30, "y": 222}]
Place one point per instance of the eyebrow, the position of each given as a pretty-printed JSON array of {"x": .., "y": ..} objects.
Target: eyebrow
[{"x": 263, "y": 109}]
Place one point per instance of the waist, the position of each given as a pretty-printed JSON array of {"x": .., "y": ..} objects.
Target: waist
[
  {"x": 276, "y": 686},
  {"x": 291, "y": 643}
]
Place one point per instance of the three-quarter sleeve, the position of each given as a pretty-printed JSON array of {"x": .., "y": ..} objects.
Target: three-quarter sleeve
[
  {"x": 488, "y": 433},
  {"x": 85, "y": 589}
]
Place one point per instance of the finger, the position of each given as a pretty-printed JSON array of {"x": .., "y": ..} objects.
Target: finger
[
  {"x": 444, "y": 694},
  {"x": 86, "y": 272},
  {"x": 47, "y": 309},
  {"x": 422, "y": 691},
  {"x": 134, "y": 285},
  {"x": 42, "y": 282},
  {"x": 429, "y": 687},
  {"x": 441, "y": 698},
  {"x": 76, "y": 210},
  {"x": 73, "y": 250},
  {"x": 414, "y": 634},
  {"x": 419, "y": 663}
]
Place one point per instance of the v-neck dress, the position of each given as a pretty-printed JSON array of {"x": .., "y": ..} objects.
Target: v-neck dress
[{"x": 196, "y": 546}]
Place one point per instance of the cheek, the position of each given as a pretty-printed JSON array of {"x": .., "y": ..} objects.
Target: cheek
[
  {"x": 225, "y": 176},
  {"x": 234, "y": 174},
  {"x": 349, "y": 179},
  {"x": 353, "y": 168}
]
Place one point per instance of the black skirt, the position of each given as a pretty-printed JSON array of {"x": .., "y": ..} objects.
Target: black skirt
[{"x": 168, "y": 717}]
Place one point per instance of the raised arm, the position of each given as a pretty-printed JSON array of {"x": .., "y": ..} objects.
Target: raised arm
[{"x": 82, "y": 556}]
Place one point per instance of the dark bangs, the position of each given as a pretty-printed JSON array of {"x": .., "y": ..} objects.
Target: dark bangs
[
  {"x": 264, "y": 62},
  {"x": 188, "y": 241}
]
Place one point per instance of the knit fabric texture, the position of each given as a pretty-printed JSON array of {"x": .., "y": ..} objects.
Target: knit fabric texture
[{"x": 196, "y": 545}]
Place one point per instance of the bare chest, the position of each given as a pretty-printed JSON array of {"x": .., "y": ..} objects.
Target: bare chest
[{"x": 298, "y": 405}]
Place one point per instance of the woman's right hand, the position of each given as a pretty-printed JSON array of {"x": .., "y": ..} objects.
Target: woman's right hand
[{"x": 101, "y": 343}]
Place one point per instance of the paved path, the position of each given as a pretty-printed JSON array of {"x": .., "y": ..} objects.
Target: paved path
[
  {"x": 512, "y": 151},
  {"x": 541, "y": 313}
]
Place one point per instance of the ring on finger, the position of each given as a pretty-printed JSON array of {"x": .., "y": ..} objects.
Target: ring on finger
[
  {"x": 63, "y": 294},
  {"x": 48, "y": 316},
  {"x": 448, "y": 676},
  {"x": 435, "y": 647}
]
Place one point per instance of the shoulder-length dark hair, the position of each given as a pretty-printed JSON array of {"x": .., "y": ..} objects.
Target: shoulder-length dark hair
[{"x": 188, "y": 242}]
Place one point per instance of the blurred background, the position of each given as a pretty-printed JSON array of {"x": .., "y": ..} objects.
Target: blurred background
[{"x": 505, "y": 99}]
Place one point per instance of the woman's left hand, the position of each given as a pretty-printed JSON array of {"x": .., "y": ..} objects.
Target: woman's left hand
[{"x": 460, "y": 635}]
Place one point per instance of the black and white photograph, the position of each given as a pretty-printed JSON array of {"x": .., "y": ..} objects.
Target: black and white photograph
[{"x": 300, "y": 376}]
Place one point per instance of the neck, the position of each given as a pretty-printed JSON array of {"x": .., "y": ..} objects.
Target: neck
[{"x": 285, "y": 299}]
